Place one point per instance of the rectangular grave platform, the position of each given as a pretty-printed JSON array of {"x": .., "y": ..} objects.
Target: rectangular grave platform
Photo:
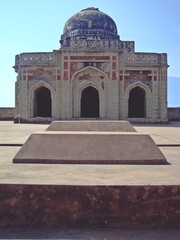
[
  {"x": 90, "y": 148},
  {"x": 109, "y": 126}
]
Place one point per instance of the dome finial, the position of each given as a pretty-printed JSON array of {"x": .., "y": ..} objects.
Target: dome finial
[{"x": 90, "y": 8}]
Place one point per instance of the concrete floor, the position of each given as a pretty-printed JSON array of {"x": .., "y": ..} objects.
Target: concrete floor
[
  {"x": 91, "y": 234},
  {"x": 11, "y": 133}
]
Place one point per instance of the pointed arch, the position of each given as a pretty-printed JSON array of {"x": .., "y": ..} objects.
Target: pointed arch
[
  {"x": 41, "y": 99},
  {"x": 42, "y": 102},
  {"x": 138, "y": 101},
  {"x": 89, "y": 102}
]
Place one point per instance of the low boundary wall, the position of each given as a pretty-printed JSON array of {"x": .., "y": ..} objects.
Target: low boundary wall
[
  {"x": 174, "y": 114},
  {"x": 7, "y": 113},
  {"x": 89, "y": 206}
]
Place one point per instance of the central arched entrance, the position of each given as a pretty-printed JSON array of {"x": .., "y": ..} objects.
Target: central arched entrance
[
  {"x": 137, "y": 103},
  {"x": 90, "y": 103},
  {"x": 42, "y": 102}
]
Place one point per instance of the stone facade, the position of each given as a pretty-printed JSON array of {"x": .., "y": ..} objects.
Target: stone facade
[{"x": 94, "y": 75}]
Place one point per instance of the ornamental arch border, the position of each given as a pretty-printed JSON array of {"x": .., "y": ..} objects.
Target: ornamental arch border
[
  {"x": 87, "y": 68},
  {"x": 77, "y": 86}
]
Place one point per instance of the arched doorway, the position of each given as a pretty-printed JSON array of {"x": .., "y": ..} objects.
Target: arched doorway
[
  {"x": 90, "y": 103},
  {"x": 42, "y": 102},
  {"x": 136, "y": 103}
]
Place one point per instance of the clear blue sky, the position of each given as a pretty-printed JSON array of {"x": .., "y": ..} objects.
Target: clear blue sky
[{"x": 36, "y": 26}]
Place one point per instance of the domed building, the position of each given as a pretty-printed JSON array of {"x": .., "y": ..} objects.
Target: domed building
[{"x": 94, "y": 75}]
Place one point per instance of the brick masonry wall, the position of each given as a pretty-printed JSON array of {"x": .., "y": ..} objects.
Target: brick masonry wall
[{"x": 7, "y": 113}]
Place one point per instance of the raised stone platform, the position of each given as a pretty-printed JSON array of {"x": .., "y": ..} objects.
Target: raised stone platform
[
  {"x": 90, "y": 142},
  {"x": 108, "y": 126},
  {"x": 90, "y": 148}
]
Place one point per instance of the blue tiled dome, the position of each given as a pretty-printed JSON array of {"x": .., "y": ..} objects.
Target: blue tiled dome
[{"x": 90, "y": 23}]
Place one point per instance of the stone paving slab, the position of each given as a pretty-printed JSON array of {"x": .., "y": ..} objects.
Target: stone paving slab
[
  {"x": 18, "y": 133},
  {"x": 162, "y": 134}
]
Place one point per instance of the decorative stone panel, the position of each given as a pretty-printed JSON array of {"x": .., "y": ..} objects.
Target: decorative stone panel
[
  {"x": 35, "y": 59},
  {"x": 146, "y": 58}
]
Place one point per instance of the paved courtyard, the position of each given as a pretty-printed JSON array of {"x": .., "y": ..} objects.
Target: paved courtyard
[
  {"x": 11, "y": 133},
  {"x": 166, "y": 135}
]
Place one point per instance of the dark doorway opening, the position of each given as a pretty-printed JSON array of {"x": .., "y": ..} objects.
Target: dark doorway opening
[
  {"x": 42, "y": 102},
  {"x": 137, "y": 103},
  {"x": 90, "y": 103}
]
